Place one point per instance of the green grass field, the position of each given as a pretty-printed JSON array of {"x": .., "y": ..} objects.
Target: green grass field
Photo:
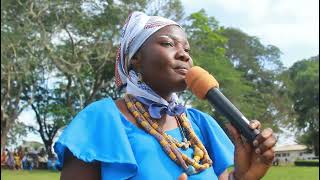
[
  {"x": 275, "y": 173},
  {"x": 292, "y": 173},
  {"x": 29, "y": 175}
]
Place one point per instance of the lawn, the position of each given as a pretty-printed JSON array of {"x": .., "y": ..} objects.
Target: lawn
[
  {"x": 29, "y": 175},
  {"x": 292, "y": 173},
  {"x": 275, "y": 173}
]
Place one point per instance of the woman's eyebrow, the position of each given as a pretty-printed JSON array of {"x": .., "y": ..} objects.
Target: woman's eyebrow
[{"x": 173, "y": 37}]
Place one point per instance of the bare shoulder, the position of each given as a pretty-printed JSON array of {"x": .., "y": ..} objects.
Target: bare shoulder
[{"x": 74, "y": 168}]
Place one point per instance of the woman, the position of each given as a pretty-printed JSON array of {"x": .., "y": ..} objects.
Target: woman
[
  {"x": 10, "y": 160},
  {"x": 3, "y": 157},
  {"x": 148, "y": 134},
  {"x": 17, "y": 160}
]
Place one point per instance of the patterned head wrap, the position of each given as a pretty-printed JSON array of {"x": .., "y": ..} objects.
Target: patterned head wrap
[{"x": 138, "y": 27}]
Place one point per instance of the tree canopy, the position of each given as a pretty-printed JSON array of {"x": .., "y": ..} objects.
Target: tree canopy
[{"x": 302, "y": 83}]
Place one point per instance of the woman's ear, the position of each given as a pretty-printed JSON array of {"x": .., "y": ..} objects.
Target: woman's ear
[{"x": 136, "y": 62}]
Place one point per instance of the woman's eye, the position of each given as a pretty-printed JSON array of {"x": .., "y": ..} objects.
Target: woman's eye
[
  {"x": 187, "y": 50},
  {"x": 167, "y": 44}
]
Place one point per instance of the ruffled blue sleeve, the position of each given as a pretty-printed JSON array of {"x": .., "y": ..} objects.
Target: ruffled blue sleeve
[
  {"x": 98, "y": 134},
  {"x": 218, "y": 144}
]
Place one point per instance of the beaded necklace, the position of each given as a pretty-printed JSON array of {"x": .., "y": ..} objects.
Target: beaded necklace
[{"x": 201, "y": 159}]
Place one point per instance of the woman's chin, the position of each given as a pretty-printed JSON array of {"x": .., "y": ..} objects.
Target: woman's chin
[{"x": 181, "y": 86}]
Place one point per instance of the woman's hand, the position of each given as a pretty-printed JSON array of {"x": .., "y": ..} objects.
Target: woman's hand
[{"x": 253, "y": 161}]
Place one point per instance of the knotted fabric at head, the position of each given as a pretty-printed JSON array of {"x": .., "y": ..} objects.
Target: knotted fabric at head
[{"x": 136, "y": 30}]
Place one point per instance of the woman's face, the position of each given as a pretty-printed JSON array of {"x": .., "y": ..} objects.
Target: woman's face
[{"x": 163, "y": 60}]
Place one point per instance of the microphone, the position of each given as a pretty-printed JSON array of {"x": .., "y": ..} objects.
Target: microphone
[{"x": 205, "y": 86}]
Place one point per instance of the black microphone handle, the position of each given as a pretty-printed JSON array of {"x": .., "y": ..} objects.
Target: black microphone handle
[{"x": 227, "y": 109}]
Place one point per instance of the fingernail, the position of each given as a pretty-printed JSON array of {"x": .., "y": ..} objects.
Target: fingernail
[
  {"x": 255, "y": 143},
  {"x": 257, "y": 151}
]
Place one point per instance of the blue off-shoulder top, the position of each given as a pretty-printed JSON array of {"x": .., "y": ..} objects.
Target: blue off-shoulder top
[{"x": 100, "y": 132}]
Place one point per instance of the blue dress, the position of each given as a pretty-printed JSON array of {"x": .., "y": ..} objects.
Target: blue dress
[{"x": 100, "y": 132}]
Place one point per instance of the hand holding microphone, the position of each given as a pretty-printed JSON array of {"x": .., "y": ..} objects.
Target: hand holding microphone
[{"x": 251, "y": 162}]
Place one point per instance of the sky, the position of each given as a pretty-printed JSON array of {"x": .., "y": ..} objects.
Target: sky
[{"x": 291, "y": 25}]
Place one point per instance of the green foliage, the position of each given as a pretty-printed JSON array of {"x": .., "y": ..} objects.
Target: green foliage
[
  {"x": 16, "y": 132},
  {"x": 302, "y": 85},
  {"x": 59, "y": 55},
  {"x": 19, "y": 46},
  {"x": 238, "y": 62},
  {"x": 260, "y": 65},
  {"x": 171, "y": 9},
  {"x": 306, "y": 163}
]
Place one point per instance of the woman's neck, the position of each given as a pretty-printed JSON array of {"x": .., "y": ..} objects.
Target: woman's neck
[{"x": 166, "y": 96}]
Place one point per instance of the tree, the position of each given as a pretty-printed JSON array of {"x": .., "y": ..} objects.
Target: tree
[
  {"x": 261, "y": 67},
  {"x": 303, "y": 87},
  {"x": 74, "y": 46},
  {"x": 17, "y": 46},
  {"x": 171, "y": 9},
  {"x": 16, "y": 132},
  {"x": 220, "y": 53}
]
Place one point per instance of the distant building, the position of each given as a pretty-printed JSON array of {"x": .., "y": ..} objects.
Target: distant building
[
  {"x": 32, "y": 146},
  {"x": 289, "y": 153}
]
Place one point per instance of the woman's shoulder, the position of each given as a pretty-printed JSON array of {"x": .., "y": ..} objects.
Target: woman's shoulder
[
  {"x": 105, "y": 104},
  {"x": 102, "y": 109},
  {"x": 198, "y": 115},
  {"x": 100, "y": 114},
  {"x": 92, "y": 133},
  {"x": 203, "y": 120}
]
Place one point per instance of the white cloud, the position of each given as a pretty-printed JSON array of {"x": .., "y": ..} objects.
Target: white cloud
[{"x": 291, "y": 25}]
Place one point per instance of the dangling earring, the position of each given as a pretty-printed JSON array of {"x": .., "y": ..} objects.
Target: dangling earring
[{"x": 139, "y": 78}]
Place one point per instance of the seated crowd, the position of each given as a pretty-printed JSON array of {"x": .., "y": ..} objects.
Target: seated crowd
[{"x": 23, "y": 159}]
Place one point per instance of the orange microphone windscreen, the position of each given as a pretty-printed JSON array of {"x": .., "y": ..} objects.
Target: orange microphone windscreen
[{"x": 199, "y": 81}]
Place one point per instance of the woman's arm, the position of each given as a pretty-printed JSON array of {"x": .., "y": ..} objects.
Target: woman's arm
[
  {"x": 224, "y": 175},
  {"x": 74, "y": 168}
]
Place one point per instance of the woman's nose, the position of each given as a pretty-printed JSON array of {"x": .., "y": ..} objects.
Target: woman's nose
[{"x": 182, "y": 55}]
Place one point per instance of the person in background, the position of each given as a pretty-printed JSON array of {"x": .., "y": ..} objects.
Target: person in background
[
  {"x": 51, "y": 164},
  {"x": 20, "y": 152},
  {"x": 17, "y": 160},
  {"x": 3, "y": 157},
  {"x": 24, "y": 162},
  {"x": 10, "y": 160},
  {"x": 42, "y": 159}
]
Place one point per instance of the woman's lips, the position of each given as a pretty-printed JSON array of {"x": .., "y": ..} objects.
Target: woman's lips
[{"x": 182, "y": 71}]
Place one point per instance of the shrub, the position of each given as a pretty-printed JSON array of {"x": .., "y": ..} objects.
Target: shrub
[{"x": 306, "y": 162}]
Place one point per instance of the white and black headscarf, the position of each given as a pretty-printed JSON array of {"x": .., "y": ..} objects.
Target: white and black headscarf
[{"x": 136, "y": 30}]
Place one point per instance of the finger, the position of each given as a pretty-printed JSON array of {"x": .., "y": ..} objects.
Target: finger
[
  {"x": 268, "y": 156},
  {"x": 265, "y": 134},
  {"x": 255, "y": 124},
  {"x": 235, "y": 135},
  {"x": 183, "y": 176},
  {"x": 266, "y": 145}
]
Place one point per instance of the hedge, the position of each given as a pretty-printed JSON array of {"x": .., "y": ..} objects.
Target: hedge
[{"x": 306, "y": 163}]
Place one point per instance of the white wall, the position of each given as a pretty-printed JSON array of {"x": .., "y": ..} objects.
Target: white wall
[{"x": 290, "y": 156}]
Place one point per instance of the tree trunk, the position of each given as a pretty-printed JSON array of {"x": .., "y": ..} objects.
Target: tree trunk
[{"x": 48, "y": 144}]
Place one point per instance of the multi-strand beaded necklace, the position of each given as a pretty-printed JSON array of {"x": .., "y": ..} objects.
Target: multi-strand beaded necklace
[{"x": 201, "y": 159}]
